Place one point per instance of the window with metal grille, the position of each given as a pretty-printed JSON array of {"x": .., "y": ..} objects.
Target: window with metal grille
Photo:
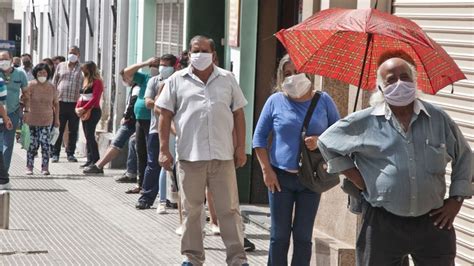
[{"x": 169, "y": 27}]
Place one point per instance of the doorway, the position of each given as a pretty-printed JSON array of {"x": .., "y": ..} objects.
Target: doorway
[{"x": 14, "y": 34}]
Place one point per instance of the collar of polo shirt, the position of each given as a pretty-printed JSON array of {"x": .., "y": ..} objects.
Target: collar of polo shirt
[{"x": 382, "y": 109}]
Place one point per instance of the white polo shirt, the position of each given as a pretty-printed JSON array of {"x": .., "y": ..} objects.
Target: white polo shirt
[{"x": 203, "y": 113}]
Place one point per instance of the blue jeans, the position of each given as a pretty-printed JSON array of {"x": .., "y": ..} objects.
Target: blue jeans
[
  {"x": 305, "y": 203},
  {"x": 124, "y": 133},
  {"x": 152, "y": 171},
  {"x": 132, "y": 155},
  {"x": 9, "y": 138}
]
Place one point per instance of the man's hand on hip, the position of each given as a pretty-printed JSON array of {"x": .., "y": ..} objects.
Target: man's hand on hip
[
  {"x": 446, "y": 214},
  {"x": 166, "y": 160},
  {"x": 240, "y": 158},
  {"x": 355, "y": 177}
]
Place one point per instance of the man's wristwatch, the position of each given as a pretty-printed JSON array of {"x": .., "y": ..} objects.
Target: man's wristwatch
[{"x": 458, "y": 198}]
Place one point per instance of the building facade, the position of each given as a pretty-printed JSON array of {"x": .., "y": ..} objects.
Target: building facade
[{"x": 116, "y": 33}]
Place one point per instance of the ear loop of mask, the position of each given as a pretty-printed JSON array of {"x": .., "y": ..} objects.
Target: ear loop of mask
[{"x": 380, "y": 89}]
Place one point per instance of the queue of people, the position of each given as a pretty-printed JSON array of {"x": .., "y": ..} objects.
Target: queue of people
[{"x": 185, "y": 119}]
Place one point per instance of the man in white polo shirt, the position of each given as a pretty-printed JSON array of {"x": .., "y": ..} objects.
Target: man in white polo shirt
[{"x": 205, "y": 102}]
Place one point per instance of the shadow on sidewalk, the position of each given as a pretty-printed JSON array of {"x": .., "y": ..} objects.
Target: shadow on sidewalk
[
  {"x": 51, "y": 177},
  {"x": 38, "y": 190}
]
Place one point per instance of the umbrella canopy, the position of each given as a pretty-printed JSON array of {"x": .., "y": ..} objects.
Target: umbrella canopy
[{"x": 345, "y": 44}]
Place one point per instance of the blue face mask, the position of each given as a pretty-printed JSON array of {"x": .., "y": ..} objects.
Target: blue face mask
[{"x": 166, "y": 71}]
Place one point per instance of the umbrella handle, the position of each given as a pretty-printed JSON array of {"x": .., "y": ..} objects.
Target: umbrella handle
[{"x": 369, "y": 39}]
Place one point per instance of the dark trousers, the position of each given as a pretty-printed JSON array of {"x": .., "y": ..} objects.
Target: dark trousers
[
  {"x": 89, "y": 127},
  {"x": 67, "y": 115},
  {"x": 305, "y": 203},
  {"x": 142, "y": 129},
  {"x": 4, "y": 176},
  {"x": 150, "y": 184},
  {"x": 386, "y": 239}
]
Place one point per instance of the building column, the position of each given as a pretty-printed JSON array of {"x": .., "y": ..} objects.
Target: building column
[
  {"x": 120, "y": 60},
  {"x": 73, "y": 27},
  {"x": 146, "y": 33},
  {"x": 106, "y": 43},
  {"x": 91, "y": 44},
  {"x": 81, "y": 29}
]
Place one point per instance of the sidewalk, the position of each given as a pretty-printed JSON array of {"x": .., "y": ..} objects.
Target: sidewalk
[{"x": 70, "y": 219}]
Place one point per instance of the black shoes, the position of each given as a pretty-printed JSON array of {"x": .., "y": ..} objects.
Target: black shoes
[
  {"x": 93, "y": 169},
  {"x": 71, "y": 159},
  {"x": 171, "y": 205},
  {"x": 142, "y": 205},
  {"x": 248, "y": 246},
  {"x": 87, "y": 164}
]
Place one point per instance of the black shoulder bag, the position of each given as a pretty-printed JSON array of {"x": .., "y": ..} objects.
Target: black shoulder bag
[{"x": 312, "y": 167}]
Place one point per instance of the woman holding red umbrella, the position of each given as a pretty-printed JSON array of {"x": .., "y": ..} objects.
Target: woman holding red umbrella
[{"x": 283, "y": 116}]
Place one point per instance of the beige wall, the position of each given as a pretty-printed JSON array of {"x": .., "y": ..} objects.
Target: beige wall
[{"x": 6, "y": 16}]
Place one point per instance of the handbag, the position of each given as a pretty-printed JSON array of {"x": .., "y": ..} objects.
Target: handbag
[
  {"x": 86, "y": 115},
  {"x": 312, "y": 171},
  {"x": 25, "y": 138}
]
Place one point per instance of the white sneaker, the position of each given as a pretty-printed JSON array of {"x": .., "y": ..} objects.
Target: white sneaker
[
  {"x": 215, "y": 229},
  {"x": 29, "y": 171},
  {"x": 6, "y": 186},
  {"x": 161, "y": 208},
  {"x": 179, "y": 230}
]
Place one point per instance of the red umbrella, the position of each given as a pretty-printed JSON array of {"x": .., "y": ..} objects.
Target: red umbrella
[{"x": 345, "y": 44}]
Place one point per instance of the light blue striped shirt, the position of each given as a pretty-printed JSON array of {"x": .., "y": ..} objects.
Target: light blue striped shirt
[{"x": 404, "y": 172}]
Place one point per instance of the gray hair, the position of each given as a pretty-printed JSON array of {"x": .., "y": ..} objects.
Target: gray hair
[
  {"x": 198, "y": 38},
  {"x": 280, "y": 76},
  {"x": 75, "y": 48},
  {"x": 377, "y": 96}
]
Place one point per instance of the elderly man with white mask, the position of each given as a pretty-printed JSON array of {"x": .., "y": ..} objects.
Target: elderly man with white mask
[{"x": 396, "y": 153}]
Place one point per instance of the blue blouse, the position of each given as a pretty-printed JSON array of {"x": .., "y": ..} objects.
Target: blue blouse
[{"x": 284, "y": 117}]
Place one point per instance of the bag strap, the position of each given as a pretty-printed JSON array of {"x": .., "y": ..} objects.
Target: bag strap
[{"x": 309, "y": 113}]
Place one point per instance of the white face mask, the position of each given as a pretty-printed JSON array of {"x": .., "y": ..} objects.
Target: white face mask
[
  {"x": 5, "y": 64},
  {"x": 42, "y": 79},
  {"x": 72, "y": 58},
  {"x": 401, "y": 93},
  {"x": 154, "y": 71},
  {"x": 166, "y": 71},
  {"x": 201, "y": 61},
  {"x": 297, "y": 85}
]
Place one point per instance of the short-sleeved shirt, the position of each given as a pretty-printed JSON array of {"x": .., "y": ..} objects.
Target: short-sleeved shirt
[
  {"x": 141, "y": 112},
  {"x": 151, "y": 91},
  {"x": 15, "y": 83},
  {"x": 203, "y": 113},
  {"x": 68, "y": 82}
]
